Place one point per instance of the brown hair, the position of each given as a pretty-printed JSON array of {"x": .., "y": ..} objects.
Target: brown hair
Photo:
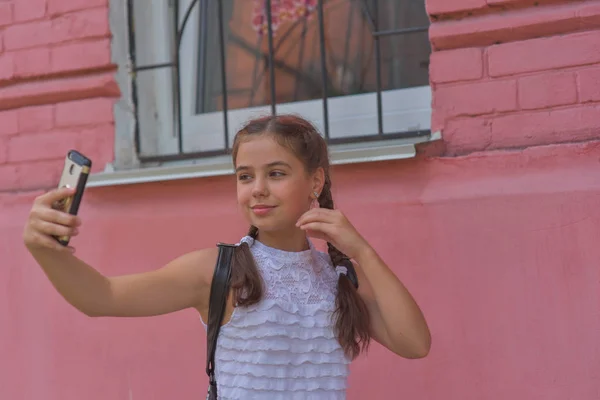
[{"x": 352, "y": 322}]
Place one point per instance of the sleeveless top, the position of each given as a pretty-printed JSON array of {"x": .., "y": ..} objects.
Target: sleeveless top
[{"x": 284, "y": 347}]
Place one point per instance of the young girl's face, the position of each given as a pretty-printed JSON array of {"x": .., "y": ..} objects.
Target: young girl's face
[{"x": 273, "y": 187}]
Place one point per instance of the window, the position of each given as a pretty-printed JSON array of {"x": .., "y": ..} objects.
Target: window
[{"x": 358, "y": 69}]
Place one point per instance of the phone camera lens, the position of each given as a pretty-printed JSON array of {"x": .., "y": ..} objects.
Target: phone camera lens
[{"x": 71, "y": 169}]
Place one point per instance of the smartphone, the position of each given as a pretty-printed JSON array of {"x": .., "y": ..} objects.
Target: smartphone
[{"x": 75, "y": 174}]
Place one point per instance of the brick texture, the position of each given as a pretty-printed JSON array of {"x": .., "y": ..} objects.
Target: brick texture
[
  {"x": 29, "y": 10},
  {"x": 79, "y": 25},
  {"x": 57, "y": 7},
  {"x": 7, "y": 67},
  {"x": 437, "y": 7},
  {"x": 544, "y": 54},
  {"x": 3, "y": 150},
  {"x": 589, "y": 84},
  {"x": 41, "y": 146},
  {"x": 78, "y": 56},
  {"x": 467, "y": 135},
  {"x": 57, "y": 89},
  {"x": 456, "y": 65},
  {"x": 547, "y": 90},
  {"x": 84, "y": 112},
  {"x": 31, "y": 62},
  {"x": 6, "y": 13},
  {"x": 35, "y": 119},
  {"x": 545, "y": 127},
  {"x": 9, "y": 122},
  {"x": 476, "y": 98}
]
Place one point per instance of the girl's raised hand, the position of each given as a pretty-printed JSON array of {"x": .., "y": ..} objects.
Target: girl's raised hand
[
  {"x": 45, "y": 222},
  {"x": 333, "y": 227}
]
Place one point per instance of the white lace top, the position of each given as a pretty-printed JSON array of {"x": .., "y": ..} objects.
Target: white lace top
[{"x": 284, "y": 346}]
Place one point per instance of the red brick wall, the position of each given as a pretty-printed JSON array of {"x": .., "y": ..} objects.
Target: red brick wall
[
  {"x": 512, "y": 74},
  {"x": 56, "y": 88}
]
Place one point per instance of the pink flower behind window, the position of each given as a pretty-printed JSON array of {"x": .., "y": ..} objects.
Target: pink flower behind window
[{"x": 281, "y": 11}]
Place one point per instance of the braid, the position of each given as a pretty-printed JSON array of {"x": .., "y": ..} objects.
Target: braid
[
  {"x": 253, "y": 232},
  {"x": 352, "y": 322},
  {"x": 246, "y": 281}
]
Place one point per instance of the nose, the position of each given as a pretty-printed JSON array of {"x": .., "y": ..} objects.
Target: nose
[{"x": 260, "y": 188}]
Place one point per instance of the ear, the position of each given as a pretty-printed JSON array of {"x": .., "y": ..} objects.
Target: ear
[{"x": 318, "y": 180}]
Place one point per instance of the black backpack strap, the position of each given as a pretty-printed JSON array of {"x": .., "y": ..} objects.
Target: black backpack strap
[{"x": 219, "y": 289}]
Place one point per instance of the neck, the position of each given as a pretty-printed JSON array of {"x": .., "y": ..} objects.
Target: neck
[{"x": 292, "y": 240}]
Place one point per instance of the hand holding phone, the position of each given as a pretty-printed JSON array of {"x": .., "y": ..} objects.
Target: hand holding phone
[
  {"x": 53, "y": 218},
  {"x": 74, "y": 176}
]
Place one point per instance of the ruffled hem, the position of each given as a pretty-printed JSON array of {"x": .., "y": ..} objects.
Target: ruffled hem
[
  {"x": 305, "y": 371},
  {"x": 269, "y": 330},
  {"x": 293, "y": 346},
  {"x": 279, "y": 358},
  {"x": 282, "y": 384},
  {"x": 226, "y": 393},
  {"x": 306, "y": 316}
]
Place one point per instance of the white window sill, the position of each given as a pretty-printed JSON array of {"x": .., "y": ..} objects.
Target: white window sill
[{"x": 394, "y": 149}]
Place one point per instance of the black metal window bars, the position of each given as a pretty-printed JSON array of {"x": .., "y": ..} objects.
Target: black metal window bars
[{"x": 373, "y": 23}]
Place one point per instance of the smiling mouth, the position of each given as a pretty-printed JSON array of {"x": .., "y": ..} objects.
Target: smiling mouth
[{"x": 262, "y": 210}]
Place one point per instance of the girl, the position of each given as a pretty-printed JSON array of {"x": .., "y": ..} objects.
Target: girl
[{"x": 295, "y": 317}]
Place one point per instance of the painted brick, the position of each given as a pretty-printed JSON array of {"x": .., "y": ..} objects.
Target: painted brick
[
  {"x": 466, "y": 135},
  {"x": 84, "y": 112},
  {"x": 30, "y": 34},
  {"x": 547, "y": 90},
  {"x": 98, "y": 143},
  {"x": 545, "y": 127},
  {"x": 77, "y": 56},
  {"x": 41, "y": 146},
  {"x": 7, "y": 67},
  {"x": 516, "y": 25},
  {"x": 3, "y": 149},
  {"x": 544, "y": 54},
  {"x": 58, "y": 90},
  {"x": 476, "y": 98},
  {"x": 8, "y": 177},
  {"x": 32, "y": 62},
  {"x": 39, "y": 174},
  {"x": 437, "y": 7},
  {"x": 589, "y": 84},
  {"x": 35, "y": 119},
  {"x": 29, "y": 10},
  {"x": 9, "y": 122},
  {"x": 6, "y": 13},
  {"x": 506, "y": 2},
  {"x": 56, "y": 7},
  {"x": 456, "y": 65},
  {"x": 79, "y": 25}
]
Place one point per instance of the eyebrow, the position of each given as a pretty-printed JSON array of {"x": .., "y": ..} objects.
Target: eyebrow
[{"x": 269, "y": 165}]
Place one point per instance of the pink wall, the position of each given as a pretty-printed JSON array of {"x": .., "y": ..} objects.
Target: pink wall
[{"x": 498, "y": 246}]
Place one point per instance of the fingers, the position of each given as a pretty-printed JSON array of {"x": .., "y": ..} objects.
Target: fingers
[
  {"x": 314, "y": 227},
  {"x": 50, "y": 243},
  {"x": 45, "y": 223},
  {"x": 55, "y": 195},
  {"x": 318, "y": 215},
  {"x": 52, "y": 229},
  {"x": 56, "y": 217}
]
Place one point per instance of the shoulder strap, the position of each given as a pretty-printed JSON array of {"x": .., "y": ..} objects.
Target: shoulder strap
[{"x": 219, "y": 290}]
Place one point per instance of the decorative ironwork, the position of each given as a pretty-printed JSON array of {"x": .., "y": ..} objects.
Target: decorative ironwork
[{"x": 368, "y": 8}]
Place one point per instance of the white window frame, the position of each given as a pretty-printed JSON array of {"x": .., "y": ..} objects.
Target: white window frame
[{"x": 404, "y": 110}]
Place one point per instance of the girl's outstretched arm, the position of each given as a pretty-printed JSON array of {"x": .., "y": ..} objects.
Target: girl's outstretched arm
[
  {"x": 396, "y": 320},
  {"x": 183, "y": 283}
]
